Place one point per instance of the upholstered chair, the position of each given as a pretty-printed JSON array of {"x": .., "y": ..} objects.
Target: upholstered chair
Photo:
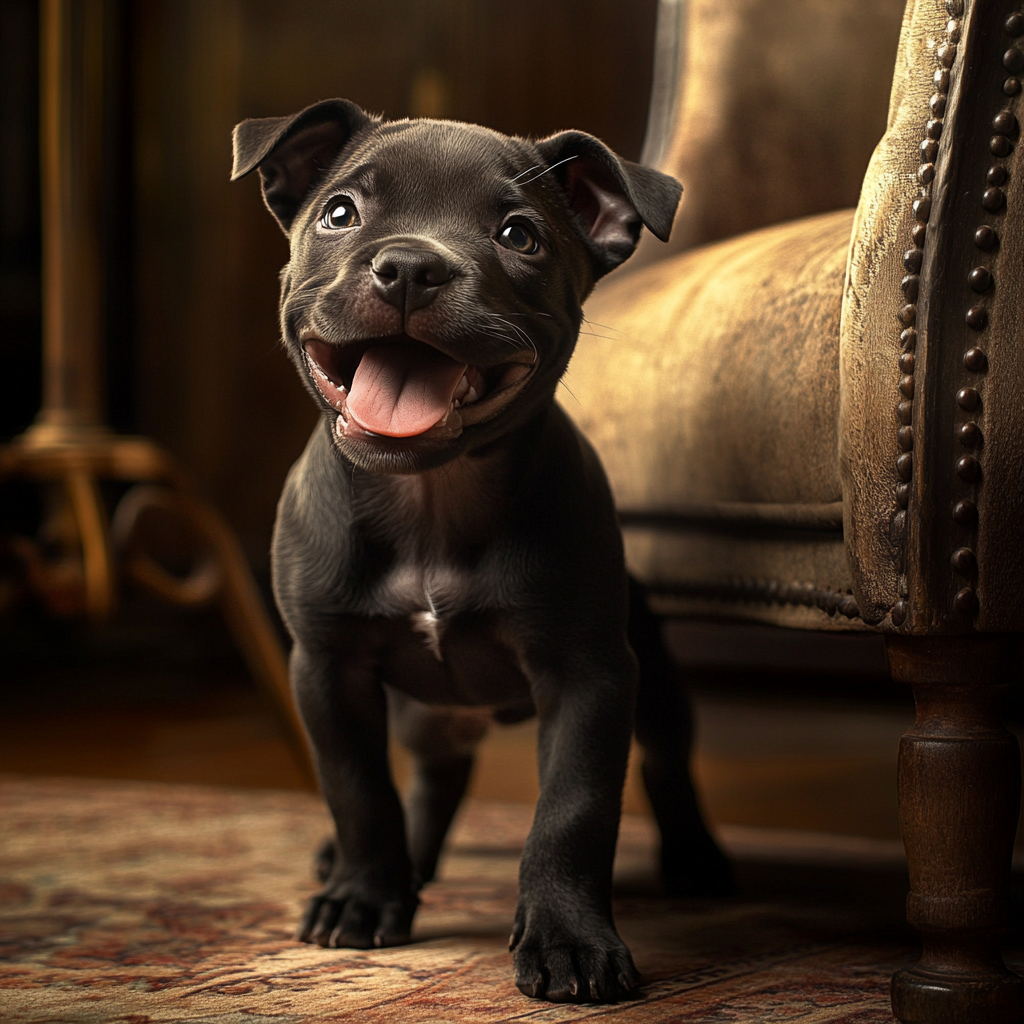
[{"x": 820, "y": 424}]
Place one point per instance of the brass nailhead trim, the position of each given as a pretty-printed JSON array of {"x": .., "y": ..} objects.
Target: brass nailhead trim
[
  {"x": 969, "y": 434},
  {"x": 964, "y": 561},
  {"x": 1000, "y": 145},
  {"x": 968, "y": 469},
  {"x": 911, "y": 284},
  {"x": 981, "y": 279},
  {"x": 965, "y": 512},
  {"x": 985, "y": 238},
  {"x": 975, "y": 360},
  {"x": 968, "y": 399},
  {"x": 977, "y": 318}
]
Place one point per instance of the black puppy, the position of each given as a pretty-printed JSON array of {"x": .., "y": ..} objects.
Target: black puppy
[{"x": 449, "y": 535}]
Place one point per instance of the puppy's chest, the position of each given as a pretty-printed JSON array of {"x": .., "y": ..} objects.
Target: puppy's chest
[
  {"x": 436, "y": 565},
  {"x": 428, "y": 597},
  {"x": 409, "y": 587}
]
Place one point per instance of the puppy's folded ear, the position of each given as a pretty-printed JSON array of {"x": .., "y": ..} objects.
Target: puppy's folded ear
[
  {"x": 611, "y": 197},
  {"x": 293, "y": 153}
]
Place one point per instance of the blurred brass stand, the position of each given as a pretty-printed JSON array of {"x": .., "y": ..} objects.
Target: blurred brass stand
[{"x": 69, "y": 449}]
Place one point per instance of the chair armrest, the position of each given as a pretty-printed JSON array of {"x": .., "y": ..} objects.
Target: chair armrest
[{"x": 933, "y": 513}]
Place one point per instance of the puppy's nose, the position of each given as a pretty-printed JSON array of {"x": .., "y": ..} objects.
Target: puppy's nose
[{"x": 409, "y": 278}]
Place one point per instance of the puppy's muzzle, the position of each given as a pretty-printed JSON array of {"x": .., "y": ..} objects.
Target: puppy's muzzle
[{"x": 409, "y": 278}]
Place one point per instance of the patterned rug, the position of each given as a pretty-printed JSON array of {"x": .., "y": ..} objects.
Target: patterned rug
[{"x": 146, "y": 902}]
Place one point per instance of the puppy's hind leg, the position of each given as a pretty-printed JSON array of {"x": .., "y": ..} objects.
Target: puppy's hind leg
[
  {"x": 691, "y": 862},
  {"x": 442, "y": 742}
]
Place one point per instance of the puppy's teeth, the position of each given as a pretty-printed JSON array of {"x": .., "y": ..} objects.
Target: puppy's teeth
[
  {"x": 456, "y": 404},
  {"x": 471, "y": 395},
  {"x": 461, "y": 388}
]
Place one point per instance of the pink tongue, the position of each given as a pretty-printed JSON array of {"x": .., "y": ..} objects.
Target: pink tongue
[{"x": 402, "y": 389}]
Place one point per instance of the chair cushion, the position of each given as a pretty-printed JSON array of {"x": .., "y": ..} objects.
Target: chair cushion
[
  {"x": 714, "y": 375},
  {"x": 709, "y": 385}
]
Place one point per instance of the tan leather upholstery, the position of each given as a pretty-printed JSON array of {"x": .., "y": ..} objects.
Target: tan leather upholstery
[
  {"x": 871, "y": 329},
  {"x": 706, "y": 402},
  {"x": 740, "y": 394},
  {"x": 691, "y": 384},
  {"x": 766, "y": 111}
]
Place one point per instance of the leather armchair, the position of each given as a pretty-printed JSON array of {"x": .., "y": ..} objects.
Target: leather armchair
[{"x": 820, "y": 424}]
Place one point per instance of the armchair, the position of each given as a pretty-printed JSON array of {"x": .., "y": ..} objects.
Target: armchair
[{"x": 820, "y": 424}]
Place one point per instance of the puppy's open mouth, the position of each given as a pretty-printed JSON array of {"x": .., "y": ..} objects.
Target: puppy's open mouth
[{"x": 400, "y": 387}]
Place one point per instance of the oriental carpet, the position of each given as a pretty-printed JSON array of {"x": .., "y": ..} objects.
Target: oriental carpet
[{"x": 147, "y": 902}]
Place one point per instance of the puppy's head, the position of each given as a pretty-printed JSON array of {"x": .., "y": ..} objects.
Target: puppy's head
[{"x": 437, "y": 273}]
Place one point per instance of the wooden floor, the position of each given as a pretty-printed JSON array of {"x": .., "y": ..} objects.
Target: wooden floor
[
  {"x": 233, "y": 740},
  {"x": 147, "y": 708}
]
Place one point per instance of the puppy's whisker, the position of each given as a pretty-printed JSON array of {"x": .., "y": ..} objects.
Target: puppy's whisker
[
  {"x": 529, "y": 341},
  {"x": 527, "y": 171},
  {"x": 551, "y": 168},
  {"x": 514, "y": 342},
  {"x": 562, "y": 384},
  {"x": 607, "y": 327},
  {"x": 517, "y": 329}
]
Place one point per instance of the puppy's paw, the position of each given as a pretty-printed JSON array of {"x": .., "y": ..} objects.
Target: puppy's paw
[
  {"x": 567, "y": 969},
  {"x": 358, "y": 920}
]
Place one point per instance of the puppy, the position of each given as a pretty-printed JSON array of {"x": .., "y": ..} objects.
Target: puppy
[{"x": 447, "y": 543}]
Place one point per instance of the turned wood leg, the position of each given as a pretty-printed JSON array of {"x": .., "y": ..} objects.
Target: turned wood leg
[{"x": 959, "y": 793}]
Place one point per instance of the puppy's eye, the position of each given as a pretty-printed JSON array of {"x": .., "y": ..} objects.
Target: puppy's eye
[
  {"x": 340, "y": 214},
  {"x": 519, "y": 238}
]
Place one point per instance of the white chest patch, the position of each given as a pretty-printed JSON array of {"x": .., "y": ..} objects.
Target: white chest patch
[
  {"x": 431, "y": 627},
  {"x": 443, "y": 591}
]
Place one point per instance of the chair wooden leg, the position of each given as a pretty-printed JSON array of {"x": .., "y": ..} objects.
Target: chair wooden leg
[{"x": 959, "y": 793}]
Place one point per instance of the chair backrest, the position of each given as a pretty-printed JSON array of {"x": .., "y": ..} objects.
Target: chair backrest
[
  {"x": 932, "y": 336},
  {"x": 766, "y": 111}
]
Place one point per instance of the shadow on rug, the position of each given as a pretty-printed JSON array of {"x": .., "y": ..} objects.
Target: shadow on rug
[{"x": 145, "y": 902}]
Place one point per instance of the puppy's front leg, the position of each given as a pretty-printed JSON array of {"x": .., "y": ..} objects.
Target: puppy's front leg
[
  {"x": 565, "y": 942},
  {"x": 368, "y": 899}
]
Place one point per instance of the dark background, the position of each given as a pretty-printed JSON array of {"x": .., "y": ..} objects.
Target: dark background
[{"x": 192, "y": 358}]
